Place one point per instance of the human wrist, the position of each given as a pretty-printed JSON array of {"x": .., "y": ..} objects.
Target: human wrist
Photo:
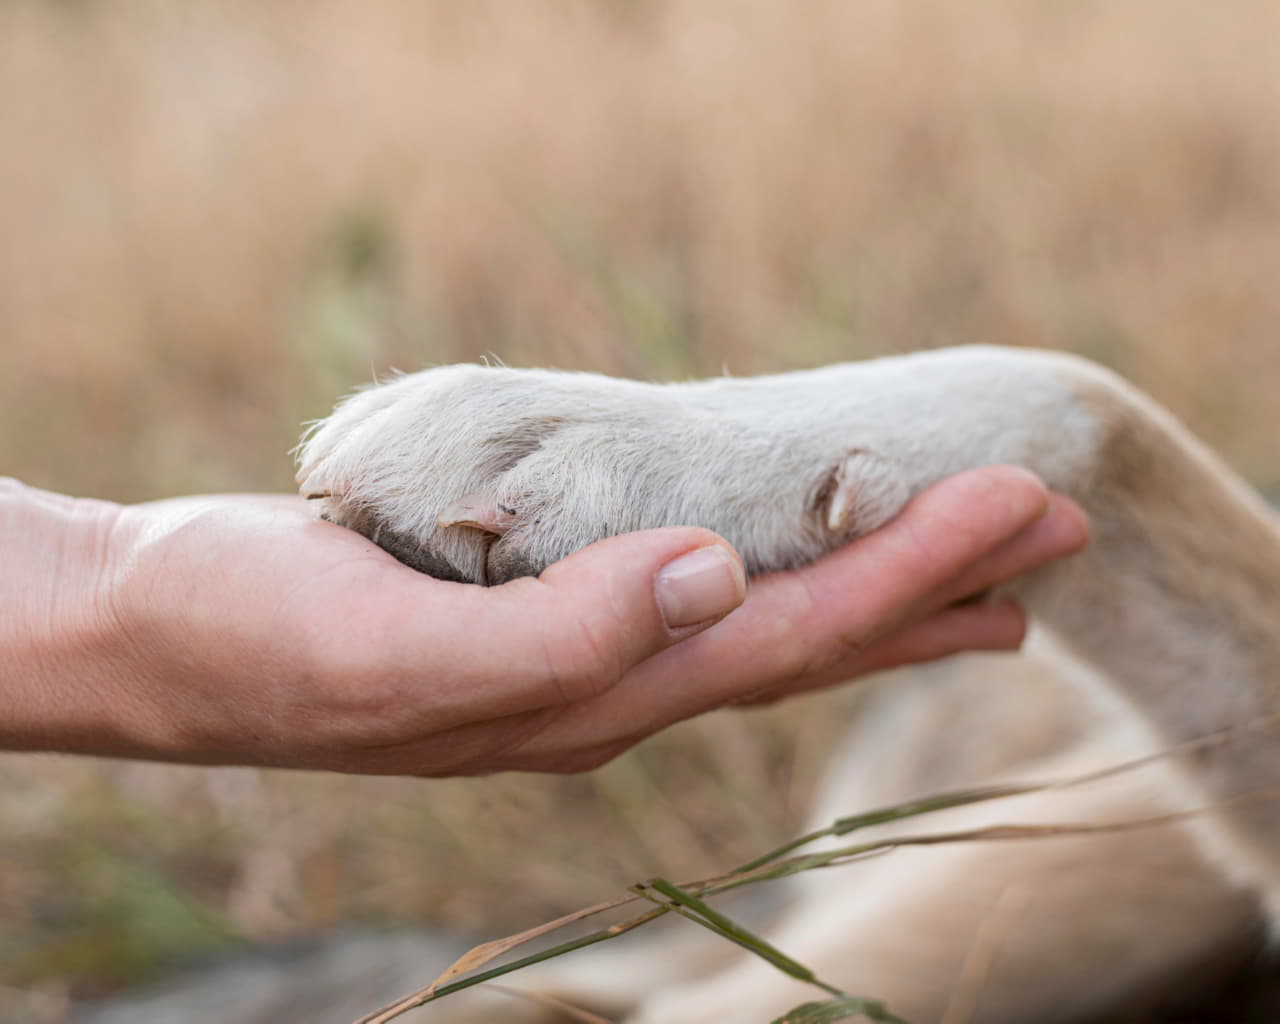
[{"x": 61, "y": 648}]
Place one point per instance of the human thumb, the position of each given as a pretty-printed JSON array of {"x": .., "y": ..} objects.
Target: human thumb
[{"x": 610, "y": 606}]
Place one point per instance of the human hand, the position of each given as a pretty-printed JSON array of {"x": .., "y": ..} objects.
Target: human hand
[{"x": 239, "y": 629}]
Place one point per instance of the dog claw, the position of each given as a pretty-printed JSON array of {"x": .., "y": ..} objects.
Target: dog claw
[
  {"x": 311, "y": 487},
  {"x": 863, "y": 492},
  {"x": 842, "y": 501},
  {"x": 478, "y": 512}
]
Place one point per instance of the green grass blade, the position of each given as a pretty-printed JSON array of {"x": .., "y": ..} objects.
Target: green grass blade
[{"x": 840, "y": 1008}]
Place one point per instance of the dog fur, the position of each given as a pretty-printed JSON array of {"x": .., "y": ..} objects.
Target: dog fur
[{"x": 1164, "y": 631}]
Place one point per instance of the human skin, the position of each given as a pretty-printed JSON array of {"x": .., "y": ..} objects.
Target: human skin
[{"x": 239, "y": 629}]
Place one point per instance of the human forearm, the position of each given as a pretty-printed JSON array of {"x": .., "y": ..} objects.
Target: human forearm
[{"x": 60, "y": 650}]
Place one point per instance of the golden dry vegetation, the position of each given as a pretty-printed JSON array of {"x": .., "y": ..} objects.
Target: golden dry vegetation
[{"x": 216, "y": 216}]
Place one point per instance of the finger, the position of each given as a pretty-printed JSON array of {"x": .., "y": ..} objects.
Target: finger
[
  {"x": 508, "y": 744},
  {"x": 569, "y": 760},
  {"x": 944, "y": 629},
  {"x": 1064, "y": 530},
  {"x": 516, "y": 656},
  {"x": 475, "y": 748},
  {"x": 616, "y": 603},
  {"x": 566, "y": 636},
  {"x": 1001, "y": 626},
  {"x": 813, "y": 623},
  {"x": 979, "y": 627}
]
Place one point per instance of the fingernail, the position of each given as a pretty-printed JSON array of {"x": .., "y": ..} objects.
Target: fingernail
[{"x": 704, "y": 584}]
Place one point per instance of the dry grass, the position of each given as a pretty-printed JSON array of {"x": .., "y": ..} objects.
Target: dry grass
[{"x": 217, "y": 215}]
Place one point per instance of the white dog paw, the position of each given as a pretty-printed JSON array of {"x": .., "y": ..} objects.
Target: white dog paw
[{"x": 483, "y": 474}]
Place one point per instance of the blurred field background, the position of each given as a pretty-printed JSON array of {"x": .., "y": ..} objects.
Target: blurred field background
[{"x": 217, "y": 216}]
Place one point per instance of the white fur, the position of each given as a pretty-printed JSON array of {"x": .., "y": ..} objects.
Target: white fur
[
  {"x": 581, "y": 456},
  {"x": 1172, "y": 612}
]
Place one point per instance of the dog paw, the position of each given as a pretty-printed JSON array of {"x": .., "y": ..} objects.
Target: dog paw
[{"x": 485, "y": 474}]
